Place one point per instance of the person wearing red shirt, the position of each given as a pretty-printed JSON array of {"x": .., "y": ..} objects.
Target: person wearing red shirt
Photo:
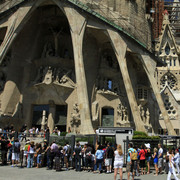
[{"x": 142, "y": 155}]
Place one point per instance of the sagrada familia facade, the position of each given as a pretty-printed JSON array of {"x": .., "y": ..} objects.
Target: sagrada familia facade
[{"x": 82, "y": 64}]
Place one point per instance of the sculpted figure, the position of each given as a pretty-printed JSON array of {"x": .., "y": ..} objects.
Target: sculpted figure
[
  {"x": 75, "y": 117},
  {"x": 147, "y": 116},
  {"x": 48, "y": 77}
]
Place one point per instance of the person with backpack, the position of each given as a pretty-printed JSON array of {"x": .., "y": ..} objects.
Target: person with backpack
[
  {"x": 15, "y": 152},
  {"x": 67, "y": 153},
  {"x": 129, "y": 162},
  {"x": 134, "y": 158},
  {"x": 142, "y": 155},
  {"x": 26, "y": 152}
]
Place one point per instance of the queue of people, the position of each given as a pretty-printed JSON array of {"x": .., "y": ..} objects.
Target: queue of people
[{"x": 101, "y": 158}]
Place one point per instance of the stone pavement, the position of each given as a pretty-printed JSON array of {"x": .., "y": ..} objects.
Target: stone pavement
[{"x": 9, "y": 173}]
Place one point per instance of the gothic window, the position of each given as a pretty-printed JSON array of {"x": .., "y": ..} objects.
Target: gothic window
[
  {"x": 170, "y": 80},
  {"x": 167, "y": 49},
  {"x": 142, "y": 92},
  {"x": 107, "y": 117}
]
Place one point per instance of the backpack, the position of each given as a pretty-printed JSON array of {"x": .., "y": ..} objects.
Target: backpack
[
  {"x": 16, "y": 147},
  {"x": 68, "y": 150},
  {"x": 134, "y": 155}
]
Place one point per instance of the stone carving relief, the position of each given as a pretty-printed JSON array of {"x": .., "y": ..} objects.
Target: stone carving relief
[
  {"x": 75, "y": 120},
  {"x": 123, "y": 115},
  {"x": 145, "y": 114},
  {"x": 59, "y": 76}
]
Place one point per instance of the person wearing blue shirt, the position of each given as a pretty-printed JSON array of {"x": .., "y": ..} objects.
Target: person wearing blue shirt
[
  {"x": 128, "y": 167},
  {"x": 99, "y": 157}
]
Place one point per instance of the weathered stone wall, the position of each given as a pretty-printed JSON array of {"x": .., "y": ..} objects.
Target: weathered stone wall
[{"x": 130, "y": 15}]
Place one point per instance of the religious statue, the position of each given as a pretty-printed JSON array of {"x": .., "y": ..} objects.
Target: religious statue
[
  {"x": 43, "y": 123},
  {"x": 147, "y": 116},
  {"x": 122, "y": 112},
  {"x": 48, "y": 77},
  {"x": 75, "y": 117}
]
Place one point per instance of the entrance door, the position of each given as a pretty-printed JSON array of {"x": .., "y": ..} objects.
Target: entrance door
[
  {"x": 61, "y": 117},
  {"x": 37, "y": 114},
  {"x": 107, "y": 117}
]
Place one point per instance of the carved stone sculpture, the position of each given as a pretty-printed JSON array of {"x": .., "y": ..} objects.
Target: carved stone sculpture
[
  {"x": 48, "y": 77},
  {"x": 123, "y": 117},
  {"x": 147, "y": 117},
  {"x": 43, "y": 123},
  {"x": 75, "y": 118}
]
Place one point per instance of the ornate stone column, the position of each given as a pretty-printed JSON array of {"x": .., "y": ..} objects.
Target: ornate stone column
[
  {"x": 77, "y": 25},
  {"x": 120, "y": 48},
  {"x": 149, "y": 67},
  {"x": 51, "y": 116}
]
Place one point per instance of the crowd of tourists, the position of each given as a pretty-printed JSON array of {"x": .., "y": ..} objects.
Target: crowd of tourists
[{"x": 104, "y": 158}]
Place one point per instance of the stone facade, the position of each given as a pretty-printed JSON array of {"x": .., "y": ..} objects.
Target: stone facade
[
  {"x": 168, "y": 76},
  {"x": 61, "y": 66}
]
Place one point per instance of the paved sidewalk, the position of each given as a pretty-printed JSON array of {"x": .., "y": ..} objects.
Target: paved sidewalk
[{"x": 9, "y": 173}]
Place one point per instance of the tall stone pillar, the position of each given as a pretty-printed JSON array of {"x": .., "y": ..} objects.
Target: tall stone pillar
[
  {"x": 77, "y": 25},
  {"x": 120, "y": 48},
  {"x": 149, "y": 67},
  {"x": 51, "y": 116}
]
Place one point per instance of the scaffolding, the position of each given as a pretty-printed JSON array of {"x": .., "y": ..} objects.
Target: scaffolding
[
  {"x": 173, "y": 9},
  {"x": 156, "y": 9}
]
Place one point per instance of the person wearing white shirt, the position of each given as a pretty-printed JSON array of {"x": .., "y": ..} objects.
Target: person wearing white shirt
[
  {"x": 118, "y": 162},
  {"x": 160, "y": 158},
  {"x": 176, "y": 160},
  {"x": 171, "y": 167}
]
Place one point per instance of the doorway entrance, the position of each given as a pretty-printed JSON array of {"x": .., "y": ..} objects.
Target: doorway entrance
[
  {"x": 38, "y": 113},
  {"x": 61, "y": 117},
  {"x": 107, "y": 117}
]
